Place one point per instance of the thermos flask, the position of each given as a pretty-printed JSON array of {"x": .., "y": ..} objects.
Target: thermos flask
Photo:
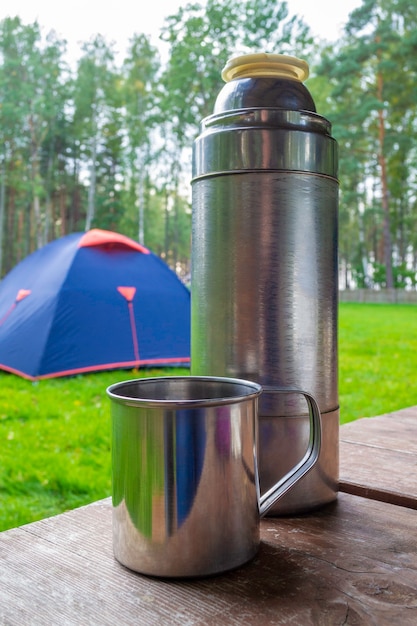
[{"x": 264, "y": 291}]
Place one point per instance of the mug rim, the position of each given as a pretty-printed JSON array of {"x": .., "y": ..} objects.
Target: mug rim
[{"x": 114, "y": 392}]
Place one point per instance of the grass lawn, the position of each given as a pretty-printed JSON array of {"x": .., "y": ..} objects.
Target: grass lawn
[
  {"x": 55, "y": 434},
  {"x": 377, "y": 359},
  {"x": 55, "y": 438}
]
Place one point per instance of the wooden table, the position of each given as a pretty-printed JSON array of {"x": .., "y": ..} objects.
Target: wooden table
[
  {"x": 353, "y": 562},
  {"x": 378, "y": 458}
]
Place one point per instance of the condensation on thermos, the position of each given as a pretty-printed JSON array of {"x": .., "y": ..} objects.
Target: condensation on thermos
[{"x": 264, "y": 288}]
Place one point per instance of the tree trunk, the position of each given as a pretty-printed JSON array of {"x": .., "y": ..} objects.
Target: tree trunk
[
  {"x": 92, "y": 187},
  {"x": 2, "y": 210},
  {"x": 38, "y": 221},
  {"x": 384, "y": 189},
  {"x": 166, "y": 242},
  {"x": 140, "y": 194},
  {"x": 364, "y": 253}
]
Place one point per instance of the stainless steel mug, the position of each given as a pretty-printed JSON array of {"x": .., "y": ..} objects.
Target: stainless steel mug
[
  {"x": 185, "y": 479},
  {"x": 264, "y": 261}
]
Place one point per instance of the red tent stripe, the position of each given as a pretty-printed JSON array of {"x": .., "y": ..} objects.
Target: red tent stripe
[
  {"x": 105, "y": 366},
  {"x": 133, "y": 328},
  {"x": 6, "y": 315},
  {"x": 99, "y": 237},
  {"x": 22, "y": 293}
]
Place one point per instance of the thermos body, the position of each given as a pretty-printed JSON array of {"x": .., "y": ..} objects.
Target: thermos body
[{"x": 264, "y": 279}]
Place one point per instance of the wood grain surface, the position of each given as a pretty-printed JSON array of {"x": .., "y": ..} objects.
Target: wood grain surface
[
  {"x": 353, "y": 562},
  {"x": 378, "y": 457}
]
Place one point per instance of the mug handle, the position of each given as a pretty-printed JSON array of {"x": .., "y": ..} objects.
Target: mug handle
[{"x": 269, "y": 498}]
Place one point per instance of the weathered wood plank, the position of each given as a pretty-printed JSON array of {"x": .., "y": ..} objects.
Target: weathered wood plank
[
  {"x": 353, "y": 562},
  {"x": 378, "y": 458},
  {"x": 392, "y": 431}
]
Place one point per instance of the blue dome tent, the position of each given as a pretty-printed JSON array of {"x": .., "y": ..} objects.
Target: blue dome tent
[{"x": 92, "y": 301}]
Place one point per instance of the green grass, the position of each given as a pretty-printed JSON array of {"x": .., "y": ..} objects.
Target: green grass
[
  {"x": 377, "y": 359},
  {"x": 55, "y": 434},
  {"x": 55, "y": 443}
]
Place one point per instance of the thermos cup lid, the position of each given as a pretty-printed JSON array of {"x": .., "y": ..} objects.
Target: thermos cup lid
[{"x": 265, "y": 64}]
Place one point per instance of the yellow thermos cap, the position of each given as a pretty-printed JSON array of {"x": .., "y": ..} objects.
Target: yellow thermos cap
[{"x": 265, "y": 64}]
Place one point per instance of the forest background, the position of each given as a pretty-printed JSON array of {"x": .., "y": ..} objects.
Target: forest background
[{"x": 107, "y": 143}]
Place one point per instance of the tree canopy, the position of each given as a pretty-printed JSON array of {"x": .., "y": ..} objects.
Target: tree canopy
[{"x": 108, "y": 143}]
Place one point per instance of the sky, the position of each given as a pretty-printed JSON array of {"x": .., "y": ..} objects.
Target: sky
[{"x": 79, "y": 20}]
